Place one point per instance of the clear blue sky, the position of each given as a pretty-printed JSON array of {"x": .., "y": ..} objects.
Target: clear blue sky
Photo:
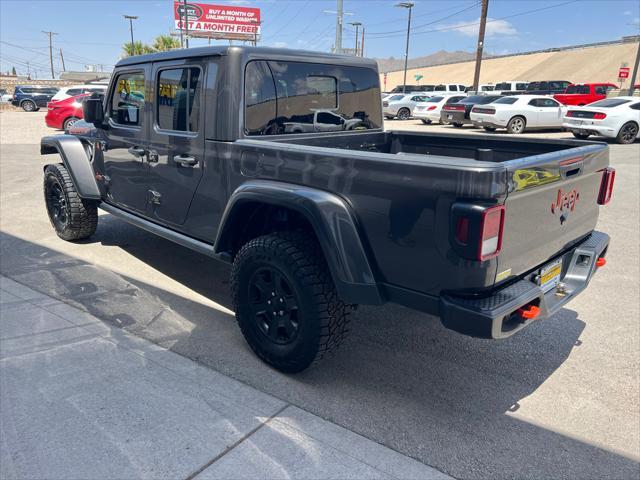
[{"x": 94, "y": 31}]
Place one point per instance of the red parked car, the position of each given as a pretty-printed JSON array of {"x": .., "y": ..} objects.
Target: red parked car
[
  {"x": 584, "y": 93},
  {"x": 64, "y": 113}
]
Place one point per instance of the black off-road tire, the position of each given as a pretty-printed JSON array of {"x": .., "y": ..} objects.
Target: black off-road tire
[
  {"x": 322, "y": 318},
  {"x": 72, "y": 217}
]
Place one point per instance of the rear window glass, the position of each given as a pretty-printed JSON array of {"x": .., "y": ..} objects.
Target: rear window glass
[
  {"x": 297, "y": 97},
  {"x": 394, "y": 98},
  {"x": 435, "y": 99},
  {"x": 609, "y": 102},
  {"x": 503, "y": 86},
  {"x": 506, "y": 100}
]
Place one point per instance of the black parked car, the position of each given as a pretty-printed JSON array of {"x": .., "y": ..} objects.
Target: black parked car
[
  {"x": 550, "y": 87},
  {"x": 31, "y": 97},
  {"x": 457, "y": 113}
]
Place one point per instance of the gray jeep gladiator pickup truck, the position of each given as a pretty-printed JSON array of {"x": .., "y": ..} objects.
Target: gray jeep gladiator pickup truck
[{"x": 488, "y": 233}]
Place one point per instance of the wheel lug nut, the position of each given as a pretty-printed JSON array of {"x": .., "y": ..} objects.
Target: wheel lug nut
[{"x": 268, "y": 302}]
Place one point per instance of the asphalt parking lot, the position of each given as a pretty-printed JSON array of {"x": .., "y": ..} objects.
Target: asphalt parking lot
[{"x": 558, "y": 400}]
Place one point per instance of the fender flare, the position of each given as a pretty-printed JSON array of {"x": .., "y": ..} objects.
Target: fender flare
[
  {"x": 333, "y": 223},
  {"x": 75, "y": 159}
]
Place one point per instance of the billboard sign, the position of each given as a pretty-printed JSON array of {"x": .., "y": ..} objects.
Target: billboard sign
[{"x": 218, "y": 21}]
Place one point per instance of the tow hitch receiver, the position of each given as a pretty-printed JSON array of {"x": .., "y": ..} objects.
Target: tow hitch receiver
[{"x": 529, "y": 312}]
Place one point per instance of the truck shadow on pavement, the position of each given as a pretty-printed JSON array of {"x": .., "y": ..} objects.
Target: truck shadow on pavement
[{"x": 403, "y": 380}]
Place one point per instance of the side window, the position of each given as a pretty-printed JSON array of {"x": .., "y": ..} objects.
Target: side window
[
  {"x": 439, "y": 88},
  {"x": 74, "y": 91},
  {"x": 417, "y": 98},
  {"x": 260, "y": 99},
  {"x": 521, "y": 86},
  {"x": 329, "y": 118},
  {"x": 292, "y": 97},
  {"x": 534, "y": 102},
  {"x": 547, "y": 102},
  {"x": 453, "y": 88},
  {"x": 601, "y": 90},
  {"x": 178, "y": 99},
  {"x": 635, "y": 106},
  {"x": 127, "y": 99}
]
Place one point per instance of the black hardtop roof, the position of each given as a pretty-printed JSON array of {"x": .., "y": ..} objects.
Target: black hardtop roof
[{"x": 250, "y": 52}]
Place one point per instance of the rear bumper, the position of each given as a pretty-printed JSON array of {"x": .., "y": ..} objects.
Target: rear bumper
[
  {"x": 497, "y": 316},
  {"x": 592, "y": 129}
]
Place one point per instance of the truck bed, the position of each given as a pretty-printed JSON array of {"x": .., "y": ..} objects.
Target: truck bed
[{"x": 402, "y": 187}]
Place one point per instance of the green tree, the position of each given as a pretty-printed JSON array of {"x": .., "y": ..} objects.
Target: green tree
[
  {"x": 137, "y": 48},
  {"x": 164, "y": 43},
  {"x": 13, "y": 71}
]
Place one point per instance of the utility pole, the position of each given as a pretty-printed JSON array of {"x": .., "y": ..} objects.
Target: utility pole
[
  {"x": 409, "y": 6},
  {"x": 339, "y": 19},
  {"x": 186, "y": 23},
  {"x": 634, "y": 75},
  {"x": 131, "y": 18},
  {"x": 62, "y": 60},
  {"x": 362, "y": 44},
  {"x": 51, "y": 34},
  {"x": 483, "y": 23},
  {"x": 357, "y": 25}
]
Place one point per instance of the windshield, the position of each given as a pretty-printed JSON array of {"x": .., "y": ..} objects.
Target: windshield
[
  {"x": 480, "y": 99},
  {"x": 609, "y": 102}
]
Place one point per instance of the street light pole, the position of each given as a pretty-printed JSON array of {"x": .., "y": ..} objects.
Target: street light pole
[
  {"x": 635, "y": 71},
  {"x": 408, "y": 5},
  {"x": 357, "y": 25},
  {"x": 131, "y": 18},
  {"x": 186, "y": 23}
]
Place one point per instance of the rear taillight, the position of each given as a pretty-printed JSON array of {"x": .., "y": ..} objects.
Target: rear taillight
[
  {"x": 606, "y": 185},
  {"x": 432, "y": 107},
  {"x": 477, "y": 231},
  {"x": 599, "y": 116},
  {"x": 491, "y": 229},
  {"x": 455, "y": 108}
]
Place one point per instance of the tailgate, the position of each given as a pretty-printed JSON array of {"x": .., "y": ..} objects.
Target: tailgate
[{"x": 552, "y": 204}]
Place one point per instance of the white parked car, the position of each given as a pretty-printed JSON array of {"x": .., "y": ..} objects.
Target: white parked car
[
  {"x": 430, "y": 110},
  {"x": 401, "y": 106},
  {"x": 616, "y": 117},
  {"x": 73, "y": 90},
  {"x": 519, "y": 113},
  {"x": 510, "y": 86},
  {"x": 449, "y": 89}
]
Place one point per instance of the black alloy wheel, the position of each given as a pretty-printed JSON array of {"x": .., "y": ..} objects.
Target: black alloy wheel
[
  {"x": 274, "y": 305},
  {"x": 628, "y": 133}
]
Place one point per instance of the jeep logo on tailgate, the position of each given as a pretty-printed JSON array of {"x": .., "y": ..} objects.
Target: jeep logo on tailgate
[{"x": 565, "y": 203}]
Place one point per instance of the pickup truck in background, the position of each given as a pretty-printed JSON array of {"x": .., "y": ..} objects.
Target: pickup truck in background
[
  {"x": 488, "y": 233},
  {"x": 547, "y": 87},
  {"x": 584, "y": 93}
]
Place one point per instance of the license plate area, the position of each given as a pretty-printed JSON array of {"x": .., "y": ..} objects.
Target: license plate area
[
  {"x": 550, "y": 275},
  {"x": 449, "y": 117}
]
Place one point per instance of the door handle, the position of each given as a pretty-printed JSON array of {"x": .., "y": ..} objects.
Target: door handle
[
  {"x": 136, "y": 151},
  {"x": 185, "y": 160}
]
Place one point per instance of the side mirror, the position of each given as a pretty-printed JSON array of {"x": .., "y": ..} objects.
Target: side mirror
[{"x": 93, "y": 112}]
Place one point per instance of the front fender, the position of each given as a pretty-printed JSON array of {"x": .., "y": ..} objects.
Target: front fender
[
  {"x": 334, "y": 226},
  {"x": 76, "y": 161}
]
